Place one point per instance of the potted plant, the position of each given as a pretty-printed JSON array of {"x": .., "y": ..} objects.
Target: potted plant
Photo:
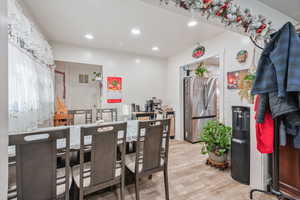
[
  {"x": 200, "y": 70},
  {"x": 97, "y": 76},
  {"x": 217, "y": 141}
]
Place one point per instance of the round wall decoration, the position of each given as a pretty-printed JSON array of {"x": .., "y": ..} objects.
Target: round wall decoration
[
  {"x": 242, "y": 56},
  {"x": 199, "y": 52}
]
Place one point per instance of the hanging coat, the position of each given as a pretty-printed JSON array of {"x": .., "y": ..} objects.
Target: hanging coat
[
  {"x": 278, "y": 69},
  {"x": 264, "y": 130}
]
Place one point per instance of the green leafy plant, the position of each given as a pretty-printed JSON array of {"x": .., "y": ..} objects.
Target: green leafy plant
[
  {"x": 200, "y": 70},
  {"x": 216, "y": 138},
  {"x": 249, "y": 77},
  {"x": 97, "y": 76}
]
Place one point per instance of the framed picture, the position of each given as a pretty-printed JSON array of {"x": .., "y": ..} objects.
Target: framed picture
[
  {"x": 234, "y": 77},
  {"x": 114, "y": 89},
  {"x": 242, "y": 56}
]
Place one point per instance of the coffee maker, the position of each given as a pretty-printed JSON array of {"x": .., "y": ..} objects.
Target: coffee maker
[
  {"x": 149, "y": 106},
  {"x": 153, "y": 104}
]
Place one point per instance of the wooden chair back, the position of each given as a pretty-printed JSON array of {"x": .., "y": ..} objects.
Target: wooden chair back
[
  {"x": 104, "y": 160},
  {"x": 88, "y": 115},
  {"x": 36, "y": 164},
  {"x": 107, "y": 114},
  {"x": 152, "y": 145}
]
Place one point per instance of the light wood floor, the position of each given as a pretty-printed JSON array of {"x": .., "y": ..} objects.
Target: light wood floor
[{"x": 189, "y": 179}]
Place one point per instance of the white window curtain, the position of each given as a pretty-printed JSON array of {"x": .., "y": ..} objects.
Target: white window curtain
[{"x": 31, "y": 91}]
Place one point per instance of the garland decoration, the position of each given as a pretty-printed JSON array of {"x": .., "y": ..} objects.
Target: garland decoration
[
  {"x": 230, "y": 14},
  {"x": 23, "y": 33}
]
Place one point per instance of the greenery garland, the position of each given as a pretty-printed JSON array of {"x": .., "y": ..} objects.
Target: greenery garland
[{"x": 230, "y": 14}]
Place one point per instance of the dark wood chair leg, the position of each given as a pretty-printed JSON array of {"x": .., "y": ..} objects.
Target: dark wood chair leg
[
  {"x": 122, "y": 191},
  {"x": 137, "y": 188},
  {"x": 166, "y": 180},
  {"x": 150, "y": 177}
]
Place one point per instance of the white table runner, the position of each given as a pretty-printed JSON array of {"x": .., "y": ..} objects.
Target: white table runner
[{"x": 132, "y": 132}]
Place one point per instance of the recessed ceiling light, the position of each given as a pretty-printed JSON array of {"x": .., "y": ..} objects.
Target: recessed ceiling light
[
  {"x": 155, "y": 48},
  {"x": 137, "y": 60},
  {"x": 192, "y": 23},
  {"x": 89, "y": 36},
  {"x": 135, "y": 31}
]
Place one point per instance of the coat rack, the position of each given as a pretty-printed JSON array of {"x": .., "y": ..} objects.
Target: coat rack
[
  {"x": 274, "y": 186},
  {"x": 253, "y": 41}
]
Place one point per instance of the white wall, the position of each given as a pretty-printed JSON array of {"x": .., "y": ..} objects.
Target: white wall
[
  {"x": 3, "y": 100},
  {"x": 141, "y": 80},
  {"x": 226, "y": 46}
]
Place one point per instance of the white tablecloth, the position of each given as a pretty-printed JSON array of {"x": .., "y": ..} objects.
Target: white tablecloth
[{"x": 132, "y": 131}]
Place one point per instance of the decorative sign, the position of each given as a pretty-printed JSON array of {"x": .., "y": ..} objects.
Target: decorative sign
[
  {"x": 242, "y": 56},
  {"x": 199, "y": 52},
  {"x": 233, "y": 78},
  {"x": 114, "y": 89}
]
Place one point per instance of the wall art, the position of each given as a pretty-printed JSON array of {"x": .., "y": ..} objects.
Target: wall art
[
  {"x": 114, "y": 90},
  {"x": 242, "y": 56},
  {"x": 234, "y": 77},
  {"x": 199, "y": 52}
]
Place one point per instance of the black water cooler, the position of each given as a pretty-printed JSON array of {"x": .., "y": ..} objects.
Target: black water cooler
[{"x": 240, "y": 146}]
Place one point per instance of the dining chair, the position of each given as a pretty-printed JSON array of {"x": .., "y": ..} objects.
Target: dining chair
[
  {"x": 151, "y": 155},
  {"x": 84, "y": 116},
  {"x": 33, "y": 174},
  {"x": 105, "y": 168},
  {"x": 107, "y": 114}
]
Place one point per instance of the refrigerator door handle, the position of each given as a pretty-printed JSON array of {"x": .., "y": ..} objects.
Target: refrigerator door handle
[
  {"x": 205, "y": 117},
  {"x": 204, "y": 96}
]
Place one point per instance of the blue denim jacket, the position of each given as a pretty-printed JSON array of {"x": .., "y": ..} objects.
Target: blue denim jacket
[{"x": 279, "y": 66}]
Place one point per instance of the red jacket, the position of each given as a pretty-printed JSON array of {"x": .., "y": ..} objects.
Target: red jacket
[{"x": 264, "y": 131}]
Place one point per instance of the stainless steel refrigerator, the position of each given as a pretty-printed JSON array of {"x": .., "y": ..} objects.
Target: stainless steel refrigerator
[{"x": 200, "y": 105}]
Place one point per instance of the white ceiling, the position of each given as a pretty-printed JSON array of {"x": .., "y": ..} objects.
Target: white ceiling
[
  {"x": 290, "y": 8},
  {"x": 110, "y": 21}
]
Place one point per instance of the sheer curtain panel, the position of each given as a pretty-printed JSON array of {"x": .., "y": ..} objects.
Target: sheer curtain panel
[{"x": 31, "y": 91}]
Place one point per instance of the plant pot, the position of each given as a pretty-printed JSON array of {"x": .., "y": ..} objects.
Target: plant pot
[{"x": 218, "y": 159}]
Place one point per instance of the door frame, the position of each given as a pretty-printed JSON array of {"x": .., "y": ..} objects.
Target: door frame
[{"x": 222, "y": 79}]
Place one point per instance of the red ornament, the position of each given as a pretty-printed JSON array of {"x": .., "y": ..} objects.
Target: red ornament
[
  {"x": 259, "y": 30},
  {"x": 223, "y": 10},
  {"x": 263, "y": 26},
  {"x": 207, "y": 3},
  {"x": 238, "y": 19}
]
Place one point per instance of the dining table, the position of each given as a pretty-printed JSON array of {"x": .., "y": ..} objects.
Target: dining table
[{"x": 75, "y": 132}]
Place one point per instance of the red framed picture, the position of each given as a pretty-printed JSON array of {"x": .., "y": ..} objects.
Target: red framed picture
[{"x": 114, "y": 89}]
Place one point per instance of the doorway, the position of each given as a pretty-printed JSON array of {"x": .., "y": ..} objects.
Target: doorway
[{"x": 201, "y": 96}]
